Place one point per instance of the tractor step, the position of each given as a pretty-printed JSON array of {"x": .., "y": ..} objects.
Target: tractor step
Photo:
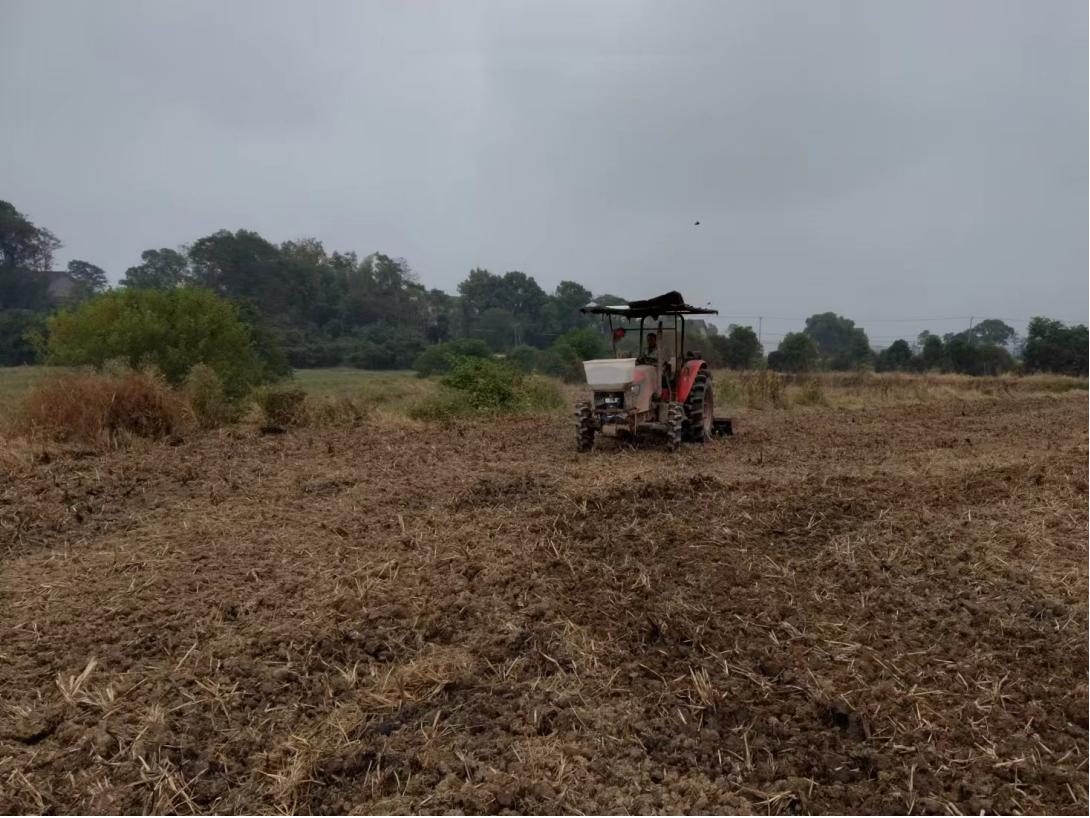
[{"x": 722, "y": 427}]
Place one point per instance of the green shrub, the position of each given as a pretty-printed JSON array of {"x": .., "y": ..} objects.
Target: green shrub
[
  {"x": 172, "y": 330},
  {"x": 440, "y": 358},
  {"x": 282, "y": 407},
  {"x": 487, "y": 385}
]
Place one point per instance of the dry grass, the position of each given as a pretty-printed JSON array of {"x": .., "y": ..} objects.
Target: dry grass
[
  {"x": 102, "y": 410},
  {"x": 855, "y": 390}
]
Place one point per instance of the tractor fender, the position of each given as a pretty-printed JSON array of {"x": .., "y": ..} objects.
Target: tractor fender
[{"x": 687, "y": 377}]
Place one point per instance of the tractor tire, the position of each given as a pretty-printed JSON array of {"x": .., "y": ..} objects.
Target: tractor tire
[
  {"x": 675, "y": 426},
  {"x": 584, "y": 427},
  {"x": 700, "y": 408}
]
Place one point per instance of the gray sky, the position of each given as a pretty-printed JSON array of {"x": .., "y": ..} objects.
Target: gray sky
[{"x": 880, "y": 159}]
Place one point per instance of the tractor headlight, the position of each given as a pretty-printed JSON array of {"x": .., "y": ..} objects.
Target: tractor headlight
[{"x": 634, "y": 389}]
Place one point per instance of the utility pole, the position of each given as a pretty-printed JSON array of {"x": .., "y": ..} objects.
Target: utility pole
[
  {"x": 969, "y": 334},
  {"x": 760, "y": 320}
]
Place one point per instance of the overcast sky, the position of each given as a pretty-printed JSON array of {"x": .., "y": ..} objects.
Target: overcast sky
[{"x": 886, "y": 160}]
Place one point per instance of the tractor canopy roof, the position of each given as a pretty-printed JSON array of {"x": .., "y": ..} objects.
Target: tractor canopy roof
[{"x": 670, "y": 303}]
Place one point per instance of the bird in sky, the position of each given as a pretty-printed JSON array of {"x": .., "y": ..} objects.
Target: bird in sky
[{"x": 696, "y": 224}]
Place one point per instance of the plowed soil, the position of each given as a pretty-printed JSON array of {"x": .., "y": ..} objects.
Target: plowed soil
[{"x": 882, "y": 610}]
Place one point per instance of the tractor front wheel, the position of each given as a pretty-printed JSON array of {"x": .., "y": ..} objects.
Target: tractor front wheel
[
  {"x": 700, "y": 408},
  {"x": 675, "y": 426},
  {"x": 584, "y": 427}
]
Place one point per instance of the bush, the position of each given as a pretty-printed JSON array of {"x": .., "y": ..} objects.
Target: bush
[
  {"x": 207, "y": 398},
  {"x": 282, "y": 407},
  {"x": 485, "y": 384},
  {"x": 440, "y": 358},
  {"x": 477, "y": 386},
  {"x": 102, "y": 409},
  {"x": 172, "y": 330}
]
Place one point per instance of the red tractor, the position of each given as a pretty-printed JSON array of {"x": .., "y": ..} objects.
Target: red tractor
[{"x": 664, "y": 389}]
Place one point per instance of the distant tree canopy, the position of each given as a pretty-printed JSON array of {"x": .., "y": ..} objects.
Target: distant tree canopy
[
  {"x": 896, "y": 357},
  {"x": 797, "y": 352},
  {"x": 738, "y": 349},
  {"x": 1052, "y": 346},
  {"x": 325, "y": 308},
  {"x": 26, "y": 258},
  {"x": 992, "y": 331},
  {"x": 840, "y": 343},
  {"x": 87, "y": 280},
  {"x": 162, "y": 269}
]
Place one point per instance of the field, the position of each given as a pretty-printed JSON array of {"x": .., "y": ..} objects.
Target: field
[{"x": 874, "y": 600}]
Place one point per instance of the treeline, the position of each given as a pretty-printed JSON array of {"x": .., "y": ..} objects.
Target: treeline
[
  {"x": 310, "y": 307},
  {"x": 989, "y": 347}
]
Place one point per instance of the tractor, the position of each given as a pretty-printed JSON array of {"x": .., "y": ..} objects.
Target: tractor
[{"x": 664, "y": 390}]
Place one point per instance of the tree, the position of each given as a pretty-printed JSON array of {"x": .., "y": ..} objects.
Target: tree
[
  {"x": 244, "y": 265},
  {"x": 932, "y": 351},
  {"x": 897, "y": 357},
  {"x": 961, "y": 354},
  {"x": 26, "y": 257},
  {"x": 840, "y": 343},
  {"x": 162, "y": 269},
  {"x": 18, "y": 329},
  {"x": 587, "y": 343},
  {"x": 797, "y": 353},
  {"x": 741, "y": 348},
  {"x": 1052, "y": 346},
  {"x": 966, "y": 357},
  {"x": 992, "y": 331},
  {"x": 571, "y": 295},
  {"x": 498, "y": 328},
  {"x": 172, "y": 330},
  {"x": 89, "y": 280},
  {"x": 560, "y": 311}
]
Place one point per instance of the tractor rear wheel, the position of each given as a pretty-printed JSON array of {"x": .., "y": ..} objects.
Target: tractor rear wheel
[
  {"x": 584, "y": 427},
  {"x": 675, "y": 426},
  {"x": 700, "y": 408}
]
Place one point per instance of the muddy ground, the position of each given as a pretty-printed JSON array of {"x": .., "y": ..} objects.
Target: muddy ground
[{"x": 881, "y": 610}]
